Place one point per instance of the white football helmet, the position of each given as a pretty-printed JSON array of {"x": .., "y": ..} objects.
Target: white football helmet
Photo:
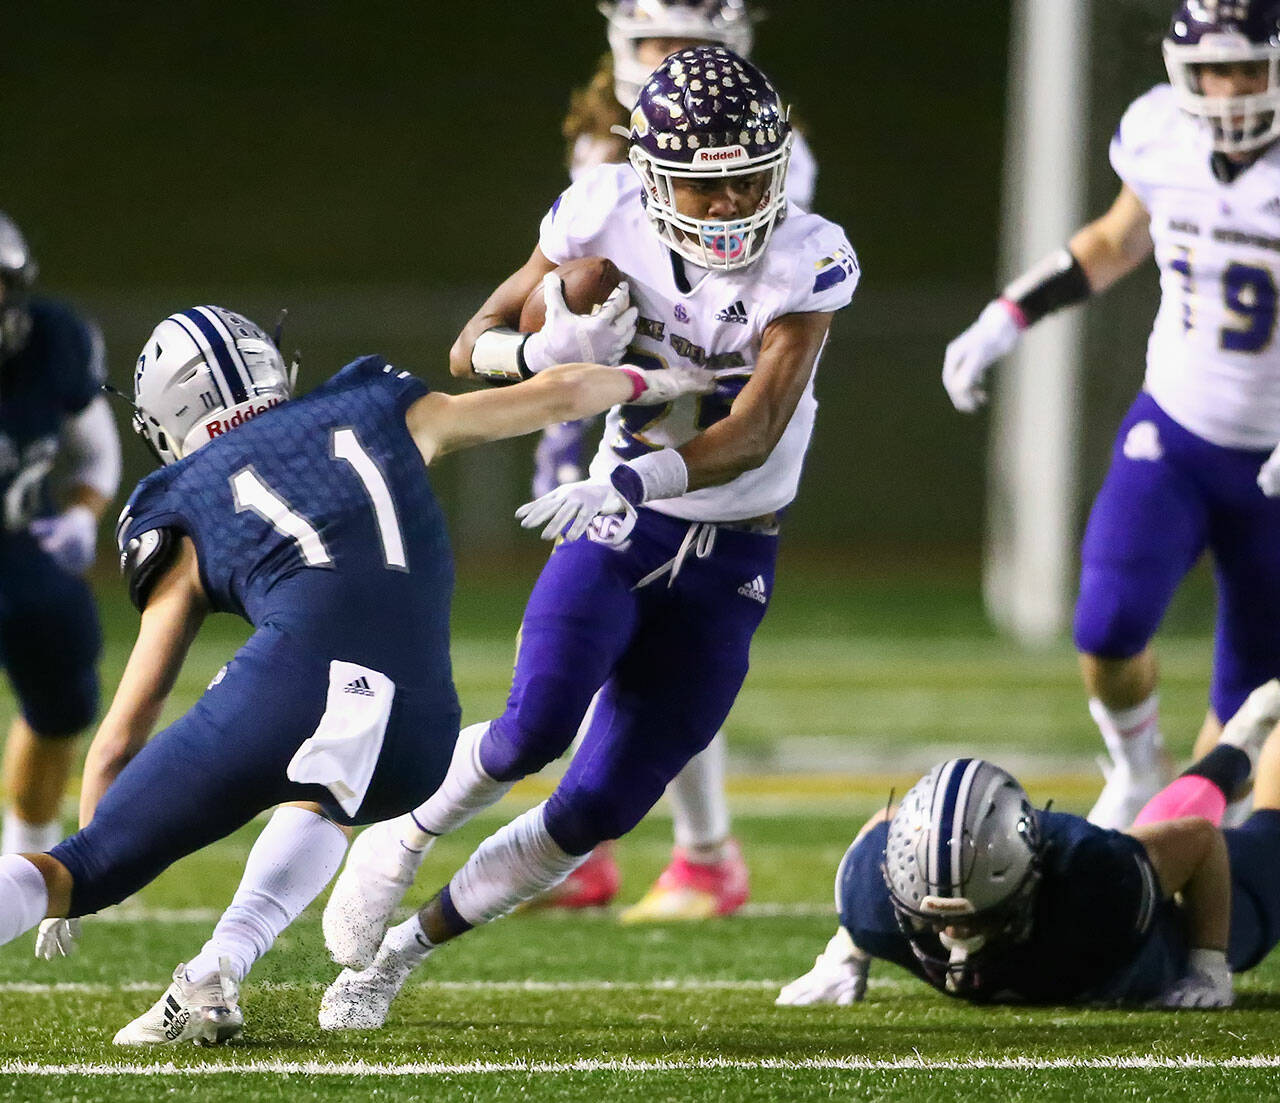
[
  {"x": 1231, "y": 31},
  {"x": 17, "y": 274},
  {"x": 963, "y": 854},
  {"x": 202, "y": 373},
  {"x": 723, "y": 22}
]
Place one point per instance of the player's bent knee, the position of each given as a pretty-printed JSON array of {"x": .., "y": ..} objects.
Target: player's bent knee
[
  {"x": 582, "y": 820},
  {"x": 1113, "y": 619},
  {"x": 66, "y": 714}
]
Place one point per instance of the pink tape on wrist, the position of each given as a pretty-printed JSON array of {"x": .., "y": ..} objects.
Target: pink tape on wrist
[
  {"x": 1185, "y": 796},
  {"x": 1015, "y": 312},
  {"x": 638, "y": 385}
]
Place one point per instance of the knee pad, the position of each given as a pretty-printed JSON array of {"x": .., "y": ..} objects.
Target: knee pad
[
  {"x": 64, "y": 710},
  {"x": 581, "y": 819},
  {"x": 1117, "y": 611}
]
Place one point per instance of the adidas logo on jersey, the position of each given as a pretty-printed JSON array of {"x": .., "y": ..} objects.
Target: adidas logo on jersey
[
  {"x": 358, "y": 685},
  {"x": 736, "y": 313},
  {"x": 754, "y": 590}
]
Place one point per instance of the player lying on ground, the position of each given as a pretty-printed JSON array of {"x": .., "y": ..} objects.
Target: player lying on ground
[
  {"x": 987, "y": 899},
  {"x": 667, "y": 564},
  {"x": 1196, "y": 463},
  {"x": 314, "y": 520}
]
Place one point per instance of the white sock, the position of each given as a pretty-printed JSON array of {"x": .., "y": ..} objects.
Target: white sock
[
  {"x": 24, "y": 898},
  {"x": 296, "y": 855},
  {"x": 1132, "y": 735},
  {"x": 466, "y": 790},
  {"x": 513, "y": 865},
  {"x": 699, "y": 805},
  {"x": 21, "y": 837},
  {"x": 408, "y": 942}
]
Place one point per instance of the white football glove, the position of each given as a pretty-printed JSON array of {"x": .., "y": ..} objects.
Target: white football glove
[
  {"x": 664, "y": 384},
  {"x": 1207, "y": 983},
  {"x": 969, "y": 356},
  {"x": 1269, "y": 475},
  {"x": 570, "y": 509},
  {"x": 70, "y": 538},
  {"x": 57, "y": 938},
  {"x": 838, "y": 976},
  {"x": 600, "y": 337}
]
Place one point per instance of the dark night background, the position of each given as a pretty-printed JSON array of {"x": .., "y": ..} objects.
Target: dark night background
[{"x": 377, "y": 167}]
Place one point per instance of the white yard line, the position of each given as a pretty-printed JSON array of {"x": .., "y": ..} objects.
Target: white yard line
[
  {"x": 664, "y": 984},
  {"x": 833, "y": 1064}
]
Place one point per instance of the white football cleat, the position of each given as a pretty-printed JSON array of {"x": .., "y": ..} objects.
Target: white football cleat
[
  {"x": 360, "y": 1000},
  {"x": 380, "y": 869},
  {"x": 1125, "y": 793},
  {"x": 1254, "y": 720},
  {"x": 205, "y": 1011}
]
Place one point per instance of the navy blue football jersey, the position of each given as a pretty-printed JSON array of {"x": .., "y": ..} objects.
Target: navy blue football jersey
[
  {"x": 1100, "y": 930},
  {"x": 317, "y": 517},
  {"x": 54, "y": 375}
]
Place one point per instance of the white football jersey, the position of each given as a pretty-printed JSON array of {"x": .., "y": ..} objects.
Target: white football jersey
[
  {"x": 716, "y": 320},
  {"x": 802, "y": 171},
  {"x": 1213, "y": 361}
]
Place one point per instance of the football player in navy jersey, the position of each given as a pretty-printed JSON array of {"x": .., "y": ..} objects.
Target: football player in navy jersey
[
  {"x": 314, "y": 520},
  {"x": 987, "y": 899},
  {"x": 51, "y": 367}
]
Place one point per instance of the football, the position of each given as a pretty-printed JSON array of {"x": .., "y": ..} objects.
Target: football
[{"x": 587, "y": 282}]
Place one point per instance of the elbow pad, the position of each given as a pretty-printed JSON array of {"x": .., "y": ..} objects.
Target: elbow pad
[{"x": 144, "y": 559}]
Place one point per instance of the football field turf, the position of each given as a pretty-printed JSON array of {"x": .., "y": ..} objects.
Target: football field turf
[{"x": 857, "y": 684}]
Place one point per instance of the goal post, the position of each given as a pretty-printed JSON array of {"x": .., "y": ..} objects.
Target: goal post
[{"x": 1032, "y": 479}]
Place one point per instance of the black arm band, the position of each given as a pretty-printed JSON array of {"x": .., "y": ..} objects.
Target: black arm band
[
  {"x": 498, "y": 356},
  {"x": 1055, "y": 282}
]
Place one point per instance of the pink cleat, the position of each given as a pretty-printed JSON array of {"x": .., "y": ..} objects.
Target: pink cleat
[
  {"x": 694, "y": 890},
  {"x": 592, "y": 885}
]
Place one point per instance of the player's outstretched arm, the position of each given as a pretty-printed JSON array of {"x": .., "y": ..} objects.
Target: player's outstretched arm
[
  {"x": 443, "y": 423},
  {"x": 1095, "y": 257},
  {"x": 173, "y": 614},
  {"x": 1189, "y": 856}
]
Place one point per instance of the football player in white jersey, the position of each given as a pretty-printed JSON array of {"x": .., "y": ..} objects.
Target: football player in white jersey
[
  {"x": 665, "y": 565},
  {"x": 1196, "y": 463},
  {"x": 707, "y": 874}
]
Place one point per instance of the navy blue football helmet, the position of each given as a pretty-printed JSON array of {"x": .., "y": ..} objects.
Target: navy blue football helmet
[
  {"x": 708, "y": 113},
  {"x": 17, "y": 274},
  {"x": 1222, "y": 32}
]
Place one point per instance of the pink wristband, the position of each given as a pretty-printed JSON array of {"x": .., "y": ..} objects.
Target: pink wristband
[
  {"x": 638, "y": 385},
  {"x": 1015, "y": 312}
]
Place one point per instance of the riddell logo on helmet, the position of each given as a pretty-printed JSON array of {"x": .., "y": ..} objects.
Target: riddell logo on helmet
[
  {"x": 217, "y": 428},
  {"x": 715, "y": 156}
]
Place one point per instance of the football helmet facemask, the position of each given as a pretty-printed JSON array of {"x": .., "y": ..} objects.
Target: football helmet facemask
[
  {"x": 1209, "y": 32},
  {"x": 962, "y": 864},
  {"x": 17, "y": 274},
  {"x": 706, "y": 114},
  {"x": 723, "y": 22},
  {"x": 202, "y": 373}
]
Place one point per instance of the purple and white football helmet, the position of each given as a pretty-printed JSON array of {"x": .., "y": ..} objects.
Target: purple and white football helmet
[
  {"x": 1222, "y": 31},
  {"x": 723, "y": 22},
  {"x": 708, "y": 113}
]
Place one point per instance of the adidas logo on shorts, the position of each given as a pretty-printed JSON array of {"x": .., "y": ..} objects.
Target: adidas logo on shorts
[
  {"x": 735, "y": 313},
  {"x": 358, "y": 685},
  {"x": 754, "y": 590}
]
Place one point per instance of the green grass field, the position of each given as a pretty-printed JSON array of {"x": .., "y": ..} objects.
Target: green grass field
[{"x": 859, "y": 682}]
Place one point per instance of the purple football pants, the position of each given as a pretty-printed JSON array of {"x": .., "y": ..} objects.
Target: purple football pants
[
  {"x": 671, "y": 656},
  {"x": 1168, "y": 496}
]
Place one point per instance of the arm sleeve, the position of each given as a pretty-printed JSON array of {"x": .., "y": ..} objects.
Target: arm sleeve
[{"x": 92, "y": 446}]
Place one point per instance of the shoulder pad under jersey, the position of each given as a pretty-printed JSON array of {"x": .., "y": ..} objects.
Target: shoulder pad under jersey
[{"x": 143, "y": 560}]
